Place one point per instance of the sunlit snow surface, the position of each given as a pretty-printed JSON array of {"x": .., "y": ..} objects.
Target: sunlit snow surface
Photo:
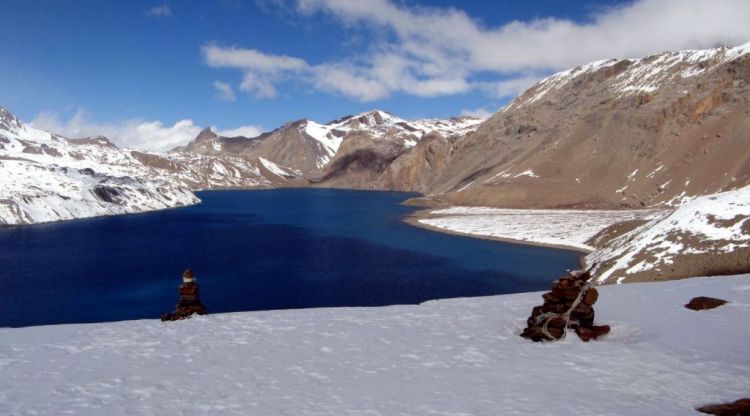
[
  {"x": 448, "y": 357},
  {"x": 707, "y": 225},
  {"x": 569, "y": 228}
]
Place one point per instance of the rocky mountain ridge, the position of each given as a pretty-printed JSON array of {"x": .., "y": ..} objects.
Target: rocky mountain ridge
[
  {"x": 307, "y": 147},
  {"x": 48, "y": 177},
  {"x": 622, "y": 133}
]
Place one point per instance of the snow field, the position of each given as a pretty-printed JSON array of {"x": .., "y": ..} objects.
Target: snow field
[
  {"x": 567, "y": 228},
  {"x": 447, "y": 357}
]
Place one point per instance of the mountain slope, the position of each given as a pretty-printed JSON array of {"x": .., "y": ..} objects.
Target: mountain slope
[
  {"x": 46, "y": 177},
  {"x": 617, "y": 133},
  {"x": 709, "y": 235},
  {"x": 322, "y": 151}
]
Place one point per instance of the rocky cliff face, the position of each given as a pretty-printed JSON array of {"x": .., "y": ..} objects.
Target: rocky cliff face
[{"x": 616, "y": 133}]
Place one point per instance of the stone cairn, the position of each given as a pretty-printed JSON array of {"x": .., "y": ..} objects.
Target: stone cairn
[
  {"x": 189, "y": 302},
  {"x": 569, "y": 305}
]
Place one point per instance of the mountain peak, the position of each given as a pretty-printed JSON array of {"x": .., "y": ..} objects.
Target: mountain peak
[
  {"x": 205, "y": 135},
  {"x": 8, "y": 121}
]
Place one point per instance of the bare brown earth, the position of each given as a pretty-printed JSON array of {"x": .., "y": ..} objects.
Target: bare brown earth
[{"x": 583, "y": 140}]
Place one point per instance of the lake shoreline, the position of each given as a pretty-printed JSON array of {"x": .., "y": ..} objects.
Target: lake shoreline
[{"x": 414, "y": 220}]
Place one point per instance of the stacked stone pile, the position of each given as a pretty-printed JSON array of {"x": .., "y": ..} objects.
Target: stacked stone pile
[
  {"x": 569, "y": 305},
  {"x": 189, "y": 303}
]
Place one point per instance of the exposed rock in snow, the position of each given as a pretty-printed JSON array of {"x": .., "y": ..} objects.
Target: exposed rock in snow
[
  {"x": 706, "y": 236},
  {"x": 457, "y": 357}
]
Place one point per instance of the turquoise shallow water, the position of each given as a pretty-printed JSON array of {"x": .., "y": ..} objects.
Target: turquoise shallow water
[{"x": 255, "y": 250}]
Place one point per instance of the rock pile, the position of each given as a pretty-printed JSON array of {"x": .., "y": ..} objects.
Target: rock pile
[
  {"x": 189, "y": 302},
  {"x": 569, "y": 305}
]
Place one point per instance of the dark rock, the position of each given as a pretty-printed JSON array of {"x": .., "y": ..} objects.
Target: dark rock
[
  {"x": 738, "y": 408},
  {"x": 189, "y": 303},
  {"x": 106, "y": 193},
  {"x": 703, "y": 302},
  {"x": 591, "y": 297}
]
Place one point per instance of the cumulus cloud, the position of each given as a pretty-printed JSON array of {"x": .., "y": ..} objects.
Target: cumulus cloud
[
  {"x": 159, "y": 11},
  {"x": 225, "y": 92},
  {"x": 480, "y": 112},
  {"x": 132, "y": 133},
  {"x": 244, "y": 131},
  {"x": 431, "y": 51}
]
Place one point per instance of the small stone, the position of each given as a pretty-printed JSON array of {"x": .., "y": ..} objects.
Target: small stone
[
  {"x": 593, "y": 332},
  {"x": 703, "y": 302}
]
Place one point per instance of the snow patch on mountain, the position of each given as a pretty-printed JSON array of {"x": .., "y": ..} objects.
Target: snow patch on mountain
[
  {"x": 708, "y": 225},
  {"x": 382, "y": 125},
  {"x": 45, "y": 177},
  {"x": 644, "y": 75}
]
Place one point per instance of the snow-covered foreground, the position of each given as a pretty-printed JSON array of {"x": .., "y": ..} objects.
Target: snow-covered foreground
[
  {"x": 449, "y": 357},
  {"x": 568, "y": 228}
]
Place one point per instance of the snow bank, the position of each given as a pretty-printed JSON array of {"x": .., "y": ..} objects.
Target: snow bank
[
  {"x": 448, "y": 357},
  {"x": 568, "y": 228}
]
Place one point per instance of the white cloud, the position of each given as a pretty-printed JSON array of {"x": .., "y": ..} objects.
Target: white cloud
[
  {"x": 244, "y": 131},
  {"x": 478, "y": 113},
  {"x": 225, "y": 91},
  {"x": 159, "y": 11},
  {"x": 132, "y": 133},
  {"x": 432, "y": 51}
]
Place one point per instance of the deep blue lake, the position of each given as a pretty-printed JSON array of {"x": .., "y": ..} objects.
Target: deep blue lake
[{"x": 255, "y": 250}]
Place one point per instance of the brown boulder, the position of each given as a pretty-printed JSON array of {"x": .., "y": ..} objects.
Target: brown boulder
[
  {"x": 738, "y": 408},
  {"x": 703, "y": 302}
]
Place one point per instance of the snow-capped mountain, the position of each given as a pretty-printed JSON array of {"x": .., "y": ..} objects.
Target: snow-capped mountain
[
  {"x": 709, "y": 235},
  {"x": 46, "y": 177},
  {"x": 307, "y": 146},
  {"x": 655, "y": 131}
]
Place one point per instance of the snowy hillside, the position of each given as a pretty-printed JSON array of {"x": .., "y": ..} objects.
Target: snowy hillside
[
  {"x": 708, "y": 235},
  {"x": 448, "y": 357},
  {"x": 384, "y": 126},
  {"x": 44, "y": 177},
  {"x": 644, "y": 75}
]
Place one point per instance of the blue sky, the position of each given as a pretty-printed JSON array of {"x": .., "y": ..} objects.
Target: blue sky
[{"x": 151, "y": 73}]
